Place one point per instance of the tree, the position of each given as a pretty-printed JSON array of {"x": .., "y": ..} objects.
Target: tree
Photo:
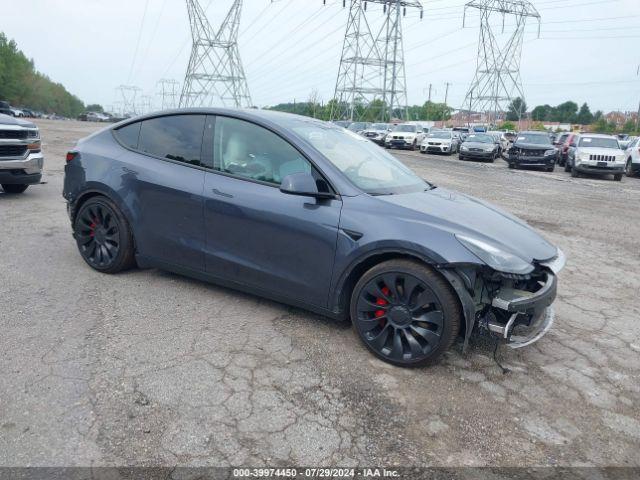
[
  {"x": 95, "y": 107},
  {"x": 566, "y": 112},
  {"x": 541, "y": 113},
  {"x": 629, "y": 126},
  {"x": 516, "y": 109},
  {"x": 507, "y": 126},
  {"x": 435, "y": 111},
  {"x": 584, "y": 117}
]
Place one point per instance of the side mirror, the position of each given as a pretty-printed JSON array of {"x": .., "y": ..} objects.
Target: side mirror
[{"x": 302, "y": 184}]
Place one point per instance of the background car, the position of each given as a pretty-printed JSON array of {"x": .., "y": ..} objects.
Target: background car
[
  {"x": 533, "y": 149},
  {"x": 406, "y": 136},
  {"x": 632, "y": 153},
  {"x": 479, "y": 146},
  {"x": 376, "y": 132},
  {"x": 440, "y": 141},
  {"x": 5, "y": 108},
  {"x": 358, "y": 127},
  {"x": 596, "y": 154}
]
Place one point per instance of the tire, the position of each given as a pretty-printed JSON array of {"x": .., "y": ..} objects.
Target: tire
[
  {"x": 551, "y": 168},
  {"x": 12, "y": 188},
  {"x": 617, "y": 177},
  {"x": 574, "y": 172},
  {"x": 567, "y": 167},
  {"x": 413, "y": 145},
  {"x": 405, "y": 327},
  {"x": 103, "y": 236},
  {"x": 628, "y": 171},
  {"x": 460, "y": 157},
  {"x": 512, "y": 166}
]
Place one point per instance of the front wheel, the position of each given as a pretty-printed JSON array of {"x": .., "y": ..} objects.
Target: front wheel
[
  {"x": 574, "y": 172},
  {"x": 103, "y": 236},
  {"x": 617, "y": 177},
  {"x": 405, "y": 313},
  {"x": 629, "y": 169},
  {"x": 567, "y": 167},
  {"x": 11, "y": 188}
]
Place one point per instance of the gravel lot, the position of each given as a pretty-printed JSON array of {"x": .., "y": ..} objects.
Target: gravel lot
[{"x": 152, "y": 368}]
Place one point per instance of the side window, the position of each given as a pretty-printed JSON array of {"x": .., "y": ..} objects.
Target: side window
[
  {"x": 248, "y": 150},
  {"x": 128, "y": 135},
  {"x": 174, "y": 137}
]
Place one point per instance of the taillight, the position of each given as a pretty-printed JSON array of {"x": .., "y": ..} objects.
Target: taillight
[{"x": 71, "y": 155}]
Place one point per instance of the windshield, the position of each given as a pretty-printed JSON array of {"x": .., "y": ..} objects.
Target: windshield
[
  {"x": 533, "y": 138},
  {"x": 366, "y": 165},
  {"x": 597, "y": 142},
  {"x": 379, "y": 126},
  {"x": 480, "y": 139},
  {"x": 440, "y": 135},
  {"x": 405, "y": 128}
]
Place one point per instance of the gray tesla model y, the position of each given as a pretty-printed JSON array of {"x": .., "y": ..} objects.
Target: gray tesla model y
[{"x": 310, "y": 214}]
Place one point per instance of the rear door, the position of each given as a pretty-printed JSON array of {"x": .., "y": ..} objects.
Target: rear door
[
  {"x": 256, "y": 235},
  {"x": 162, "y": 183}
]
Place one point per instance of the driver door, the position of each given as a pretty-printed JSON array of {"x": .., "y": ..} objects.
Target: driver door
[{"x": 282, "y": 245}]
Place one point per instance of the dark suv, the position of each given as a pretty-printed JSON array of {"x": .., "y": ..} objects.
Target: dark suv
[{"x": 532, "y": 149}]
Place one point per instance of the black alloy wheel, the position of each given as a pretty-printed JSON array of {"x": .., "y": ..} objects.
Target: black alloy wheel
[
  {"x": 103, "y": 236},
  {"x": 405, "y": 313}
]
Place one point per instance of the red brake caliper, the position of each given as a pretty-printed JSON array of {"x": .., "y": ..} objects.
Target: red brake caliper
[
  {"x": 93, "y": 228},
  {"x": 382, "y": 302}
]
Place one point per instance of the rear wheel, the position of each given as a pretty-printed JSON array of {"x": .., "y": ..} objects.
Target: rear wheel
[
  {"x": 103, "y": 236},
  {"x": 11, "y": 188},
  {"x": 629, "y": 169},
  {"x": 574, "y": 172},
  {"x": 405, "y": 313},
  {"x": 567, "y": 167}
]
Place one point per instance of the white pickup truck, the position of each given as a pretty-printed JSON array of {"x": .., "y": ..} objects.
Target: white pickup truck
[{"x": 21, "y": 158}]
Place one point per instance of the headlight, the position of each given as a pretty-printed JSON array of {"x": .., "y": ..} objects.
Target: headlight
[
  {"x": 583, "y": 156},
  {"x": 33, "y": 134},
  {"x": 488, "y": 149},
  {"x": 463, "y": 148},
  {"x": 495, "y": 257},
  {"x": 549, "y": 152}
]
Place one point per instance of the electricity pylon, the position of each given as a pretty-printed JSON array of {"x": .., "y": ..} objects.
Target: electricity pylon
[
  {"x": 127, "y": 97},
  {"x": 497, "y": 79},
  {"x": 215, "y": 74},
  {"x": 371, "y": 76},
  {"x": 168, "y": 93}
]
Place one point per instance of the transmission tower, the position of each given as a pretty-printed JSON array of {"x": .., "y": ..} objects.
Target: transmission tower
[
  {"x": 371, "y": 74},
  {"x": 168, "y": 93},
  {"x": 497, "y": 79},
  {"x": 215, "y": 73},
  {"x": 127, "y": 96}
]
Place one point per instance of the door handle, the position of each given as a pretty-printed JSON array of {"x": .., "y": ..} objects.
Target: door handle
[{"x": 222, "y": 194}]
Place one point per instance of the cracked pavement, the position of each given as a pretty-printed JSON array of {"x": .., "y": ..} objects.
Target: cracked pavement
[{"x": 150, "y": 368}]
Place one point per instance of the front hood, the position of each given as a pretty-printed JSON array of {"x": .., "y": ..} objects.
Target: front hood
[
  {"x": 377, "y": 132},
  {"x": 600, "y": 151},
  {"x": 533, "y": 146},
  {"x": 481, "y": 145},
  {"x": 459, "y": 213},
  {"x": 8, "y": 120},
  {"x": 438, "y": 140}
]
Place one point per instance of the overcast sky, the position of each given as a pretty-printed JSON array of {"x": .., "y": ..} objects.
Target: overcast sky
[{"x": 587, "y": 50}]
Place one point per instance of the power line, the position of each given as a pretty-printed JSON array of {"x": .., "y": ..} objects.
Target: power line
[{"x": 135, "y": 54}]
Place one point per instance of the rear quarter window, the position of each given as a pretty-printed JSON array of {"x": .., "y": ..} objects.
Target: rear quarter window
[
  {"x": 128, "y": 135},
  {"x": 175, "y": 137}
]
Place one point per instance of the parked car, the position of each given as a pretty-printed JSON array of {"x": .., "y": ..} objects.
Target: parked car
[
  {"x": 16, "y": 112},
  {"x": 358, "y": 127},
  {"x": 5, "y": 108},
  {"x": 21, "y": 158},
  {"x": 406, "y": 136},
  {"x": 632, "y": 153},
  {"x": 96, "y": 117},
  {"x": 532, "y": 149},
  {"x": 377, "y": 132},
  {"x": 479, "y": 146},
  {"x": 300, "y": 211},
  {"x": 562, "y": 143},
  {"x": 624, "y": 140},
  {"x": 341, "y": 123},
  {"x": 596, "y": 154},
  {"x": 501, "y": 141},
  {"x": 441, "y": 141}
]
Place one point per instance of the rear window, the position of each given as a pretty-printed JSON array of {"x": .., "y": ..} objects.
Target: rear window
[
  {"x": 175, "y": 137},
  {"x": 129, "y": 134}
]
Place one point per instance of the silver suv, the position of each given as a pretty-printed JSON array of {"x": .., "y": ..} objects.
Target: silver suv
[
  {"x": 21, "y": 158},
  {"x": 593, "y": 153}
]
